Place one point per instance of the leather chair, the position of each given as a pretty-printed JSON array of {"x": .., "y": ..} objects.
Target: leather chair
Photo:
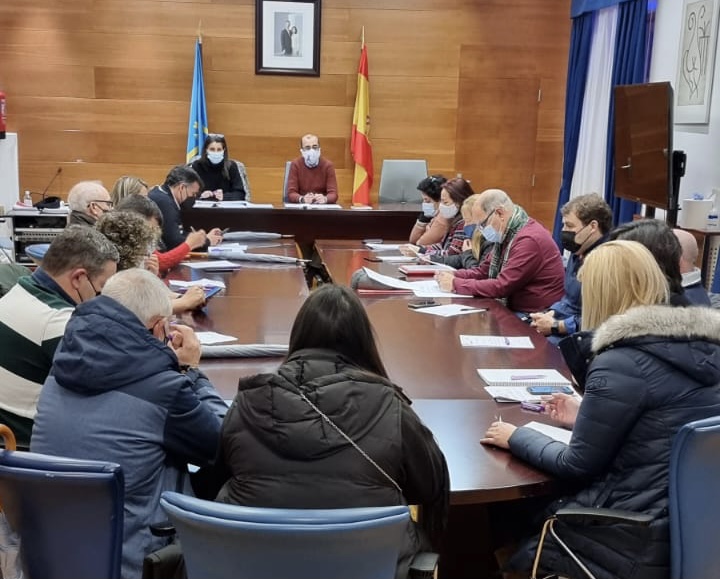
[
  {"x": 68, "y": 514},
  {"x": 222, "y": 541},
  {"x": 694, "y": 506},
  {"x": 285, "y": 181}
]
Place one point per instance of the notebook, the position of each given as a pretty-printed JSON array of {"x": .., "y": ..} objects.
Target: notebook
[
  {"x": 522, "y": 378},
  {"x": 425, "y": 269}
]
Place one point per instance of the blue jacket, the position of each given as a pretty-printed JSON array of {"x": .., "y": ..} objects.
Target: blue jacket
[
  {"x": 655, "y": 369},
  {"x": 115, "y": 393}
]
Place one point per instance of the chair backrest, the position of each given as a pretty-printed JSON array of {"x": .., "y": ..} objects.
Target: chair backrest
[
  {"x": 68, "y": 514},
  {"x": 694, "y": 500},
  {"x": 9, "y": 274},
  {"x": 399, "y": 180},
  {"x": 285, "y": 181},
  {"x": 222, "y": 541},
  {"x": 243, "y": 176}
]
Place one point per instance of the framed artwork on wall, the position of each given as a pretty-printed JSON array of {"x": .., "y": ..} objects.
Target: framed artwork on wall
[
  {"x": 696, "y": 61},
  {"x": 287, "y": 37}
]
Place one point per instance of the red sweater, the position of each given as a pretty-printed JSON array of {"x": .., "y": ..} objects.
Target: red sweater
[
  {"x": 169, "y": 259},
  {"x": 320, "y": 179},
  {"x": 532, "y": 278}
]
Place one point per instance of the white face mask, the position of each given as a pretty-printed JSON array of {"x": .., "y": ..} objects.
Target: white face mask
[
  {"x": 428, "y": 209},
  {"x": 312, "y": 157},
  {"x": 215, "y": 157},
  {"x": 448, "y": 211}
]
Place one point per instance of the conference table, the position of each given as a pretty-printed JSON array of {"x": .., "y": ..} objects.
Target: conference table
[{"x": 423, "y": 355}]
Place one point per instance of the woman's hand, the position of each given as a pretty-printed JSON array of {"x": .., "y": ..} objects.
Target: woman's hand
[
  {"x": 409, "y": 250},
  {"x": 215, "y": 236},
  {"x": 467, "y": 245},
  {"x": 499, "y": 434},
  {"x": 562, "y": 408},
  {"x": 152, "y": 264}
]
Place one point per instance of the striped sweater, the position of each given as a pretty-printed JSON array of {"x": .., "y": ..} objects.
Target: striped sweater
[{"x": 33, "y": 315}]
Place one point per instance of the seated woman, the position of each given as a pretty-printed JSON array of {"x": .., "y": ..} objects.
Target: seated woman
[
  {"x": 280, "y": 447},
  {"x": 127, "y": 185},
  {"x": 655, "y": 368},
  {"x": 430, "y": 227},
  {"x": 218, "y": 172},
  {"x": 452, "y": 195},
  {"x": 475, "y": 247}
]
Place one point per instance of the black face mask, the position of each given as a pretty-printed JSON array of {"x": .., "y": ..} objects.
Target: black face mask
[
  {"x": 567, "y": 240},
  {"x": 188, "y": 203}
]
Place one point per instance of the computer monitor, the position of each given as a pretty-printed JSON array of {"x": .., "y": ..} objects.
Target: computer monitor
[{"x": 399, "y": 180}]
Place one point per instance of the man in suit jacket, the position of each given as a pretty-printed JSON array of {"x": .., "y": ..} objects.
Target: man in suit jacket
[{"x": 286, "y": 40}]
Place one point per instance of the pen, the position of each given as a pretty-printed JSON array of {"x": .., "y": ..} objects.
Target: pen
[
  {"x": 224, "y": 231},
  {"x": 507, "y": 341},
  {"x": 534, "y": 406},
  {"x": 527, "y": 377},
  {"x": 498, "y": 418}
]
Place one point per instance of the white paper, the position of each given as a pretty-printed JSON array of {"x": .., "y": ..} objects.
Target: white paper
[
  {"x": 230, "y": 245},
  {"x": 422, "y": 289},
  {"x": 523, "y": 377},
  {"x": 313, "y": 206},
  {"x": 449, "y": 310},
  {"x": 209, "y": 338},
  {"x": 212, "y": 264},
  {"x": 510, "y": 394},
  {"x": 204, "y": 204},
  {"x": 387, "y": 280},
  {"x": 559, "y": 434},
  {"x": 396, "y": 258},
  {"x": 425, "y": 268},
  {"x": 384, "y": 246},
  {"x": 204, "y": 283},
  {"x": 495, "y": 342},
  {"x": 226, "y": 248}
]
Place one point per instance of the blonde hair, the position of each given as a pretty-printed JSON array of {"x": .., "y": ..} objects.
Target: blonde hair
[
  {"x": 617, "y": 276},
  {"x": 476, "y": 241},
  {"x": 127, "y": 185}
]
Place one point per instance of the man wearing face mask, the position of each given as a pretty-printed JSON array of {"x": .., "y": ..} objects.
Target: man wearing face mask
[
  {"x": 587, "y": 219},
  {"x": 311, "y": 178},
  {"x": 524, "y": 269},
  {"x": 88, "y": 201},
  {"x": 33, "y": 315}
]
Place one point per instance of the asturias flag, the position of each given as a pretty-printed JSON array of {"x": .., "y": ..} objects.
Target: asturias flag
[
  {"x": 198, "y": 125},
  {"x": 359, "y": 141}
]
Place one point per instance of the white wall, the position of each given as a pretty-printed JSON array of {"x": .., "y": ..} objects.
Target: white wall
[{"x": 701, "y": 143}]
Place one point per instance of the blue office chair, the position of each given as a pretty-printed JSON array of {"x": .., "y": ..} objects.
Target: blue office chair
[
  {"x": 221, "y": 541},
  {"x": 37, "y": 252},
  {"x": 68, "y": 514},
  {"x": 694, "y": 506}
]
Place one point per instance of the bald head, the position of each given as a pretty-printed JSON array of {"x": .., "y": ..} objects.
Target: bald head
[
  {"x": 689, "y": 250},
  {"x": 89, "y": 197},
  {"x": 493, "y": 198}
]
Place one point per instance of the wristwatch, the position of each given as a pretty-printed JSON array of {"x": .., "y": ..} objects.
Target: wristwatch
[{"x": 555, "y": 328}]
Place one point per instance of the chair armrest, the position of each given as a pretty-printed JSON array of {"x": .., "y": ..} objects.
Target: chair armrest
[
  {"x": 423, "y": 566},
  {"x": 603, "y": 516},
  {"x": 162, "y": 529}
]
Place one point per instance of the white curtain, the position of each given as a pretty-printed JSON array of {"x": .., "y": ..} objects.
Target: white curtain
[{"x": 589, "y": 176}]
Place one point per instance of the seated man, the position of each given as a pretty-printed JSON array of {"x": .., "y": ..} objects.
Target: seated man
[
  {"x": 311, "y": 179},
  {"x": 125, "y": 388},
  {"x": 587, "y": 219},
  {"x": 524, "y": 269},
  {"x": 33, "y": 315},
  {"x": 181, "y": 184},
  {"x": 88, "y": 200},
  {"x": 691, "y": 277}
]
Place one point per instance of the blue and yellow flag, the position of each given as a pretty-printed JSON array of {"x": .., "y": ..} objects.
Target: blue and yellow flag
[{"x": 198, "y": 125}]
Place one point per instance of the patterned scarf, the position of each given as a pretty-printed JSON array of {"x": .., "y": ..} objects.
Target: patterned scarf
[{"x": 501, "y": 252}]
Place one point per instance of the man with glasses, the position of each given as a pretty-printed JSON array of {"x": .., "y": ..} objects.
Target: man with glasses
[
  {"x": 182, "y": 183},
  {"x": 33, "y": 315},
  {"x": 88, "y": 200},
  {"x": 311, "y": 178}
]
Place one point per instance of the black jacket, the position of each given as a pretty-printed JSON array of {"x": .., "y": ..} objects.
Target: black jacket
[
  {"x": 281, "y": 453},
  {"x": 173, "y": 233},
  {"x": 213, "y": 179},
  {"x": 655, "y": 369}
]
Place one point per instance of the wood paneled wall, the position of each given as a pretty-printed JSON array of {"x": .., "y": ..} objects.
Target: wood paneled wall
[{"x": 102, "y": 88}]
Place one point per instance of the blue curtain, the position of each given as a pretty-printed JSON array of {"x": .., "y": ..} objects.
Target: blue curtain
[
  {"x": 628, "y": 68},
  {"x": 580, "y": 43}
]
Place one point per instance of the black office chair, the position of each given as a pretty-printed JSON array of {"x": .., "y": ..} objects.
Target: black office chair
[
  {"x": 68, "y": 514},
  {"x": 694, "y": 507}
]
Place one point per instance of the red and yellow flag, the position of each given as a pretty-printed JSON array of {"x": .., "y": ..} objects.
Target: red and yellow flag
[{"x": 359, "y": 141}]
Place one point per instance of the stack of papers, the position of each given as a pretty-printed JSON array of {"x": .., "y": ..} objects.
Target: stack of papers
[
  {"x": 203, "y": 204},
  {"x": 448, "y": 310},
  {"x": 559, "y": 434},
  {"x": 523, "y": 377},
  {"x": 313, "y": 206},
  {"x": 213, "y": 265},
  {"x": 422, "y": 289},
  {"x": 209, "y": 338},
  {"x": 495, "y": 342},
  {"x": 204, "y": 282},
  {"x": 383, "y": 246}
]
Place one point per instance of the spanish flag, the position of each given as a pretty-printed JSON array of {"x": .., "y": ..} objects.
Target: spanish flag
[{"x": 359, "y": 141}]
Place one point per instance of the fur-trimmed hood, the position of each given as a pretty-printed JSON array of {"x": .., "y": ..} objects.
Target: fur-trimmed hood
[{"x": 687, "y": 338}]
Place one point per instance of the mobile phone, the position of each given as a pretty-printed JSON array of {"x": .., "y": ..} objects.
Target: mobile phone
[
  {"x": 525, "y": 318},
  {"x": 544, "y": 390},
  {"x": 417, "y": 304}
]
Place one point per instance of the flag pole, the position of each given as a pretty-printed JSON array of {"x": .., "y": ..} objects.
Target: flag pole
[
  {"x": 362, "y": 40},
  {"x": 199, "y": 31}
]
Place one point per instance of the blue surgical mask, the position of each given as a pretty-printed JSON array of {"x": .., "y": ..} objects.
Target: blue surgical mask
[
  {"x": 312, "y": 157},
  {"x": 448, "y": 211},
  {"x": 428, "y": 209},
  {"x": 491, "y": 235},
  {"x": 215, "y": 157},
  {"x": 469, "y": 229}
]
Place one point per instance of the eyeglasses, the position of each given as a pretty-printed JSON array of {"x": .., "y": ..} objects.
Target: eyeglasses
[
  {"x": 310, "y": 147},
  {"x": 484, "y": 222},
  {"x": 107, "y": 201}
]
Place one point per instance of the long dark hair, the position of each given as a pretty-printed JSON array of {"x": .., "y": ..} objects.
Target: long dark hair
[
  {"x": 215, "y": 138},
  {"x": 333, "y": 318}
]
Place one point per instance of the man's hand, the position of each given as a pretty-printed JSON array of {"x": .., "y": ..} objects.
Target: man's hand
[
  {"x": 543, "y": 321},
  {"x": 186, "y": 345},
  {"x": 445, "y": 280},
  {"x": 320, "y": 198},
  {"x": 499, "y": 434},
  {"x": 562, "y": 408},
  {"x": 196, "y": 239},
  {"x": 192, "y": 299},
  {"x": 215, "y": 236},
  {"x": 205, "y": 194},
  {"x": 308, "y": 198}
]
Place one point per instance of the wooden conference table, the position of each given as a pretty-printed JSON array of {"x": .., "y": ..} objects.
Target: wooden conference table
[{"x": 423, "y": 355}]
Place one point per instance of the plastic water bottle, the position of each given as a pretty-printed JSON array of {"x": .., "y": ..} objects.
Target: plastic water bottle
[
  {"x": 712, "y": 220},
  {"x": 27, "y": 200}
]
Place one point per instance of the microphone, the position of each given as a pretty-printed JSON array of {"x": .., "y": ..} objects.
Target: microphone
[{"x": 59, "y": 170}]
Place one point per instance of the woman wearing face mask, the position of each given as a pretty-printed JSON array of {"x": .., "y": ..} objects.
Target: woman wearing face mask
[
  {"x": 452, "y": 196},
  {"x": 430, "y": 227},
  {"x": 219, "y": 174}
]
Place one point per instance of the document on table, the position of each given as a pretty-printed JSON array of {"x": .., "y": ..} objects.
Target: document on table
[
  {"x": 396, "y": 258},
  {"x": 214, "y": 264},
  {"x": 559, "y": 434},
  {"x": 384, "y": 246},
  {"x": 510, "y": 394},
  {"x": 422, "y": 289},
  {"x": 448, "y": 310},
  {"x": 204, "y": 282},
  {"x": 203, "y": 204},
  {"x": 313, "y": 206},
  {"x": 225, "y": 248},
  {"x": 467, "y": 341},
  {"x": 209, "y": 338}
]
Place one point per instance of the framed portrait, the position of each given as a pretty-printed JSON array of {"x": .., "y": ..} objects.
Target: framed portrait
[
  {"x": 287, "y": 37},
  {"x": 696, "y": 61}
]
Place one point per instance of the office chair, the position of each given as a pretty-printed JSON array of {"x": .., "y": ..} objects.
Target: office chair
[
  {"x": 9, "y": 274},
  {"x": 222, "y": 541},
  {"x": 68, "y": 514},
  {"x": 399, "y": 179},
  {"x": 285, "y": 181},
  {"x": 37, "y": 252},
  {"x": 693, "y": 510}
]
